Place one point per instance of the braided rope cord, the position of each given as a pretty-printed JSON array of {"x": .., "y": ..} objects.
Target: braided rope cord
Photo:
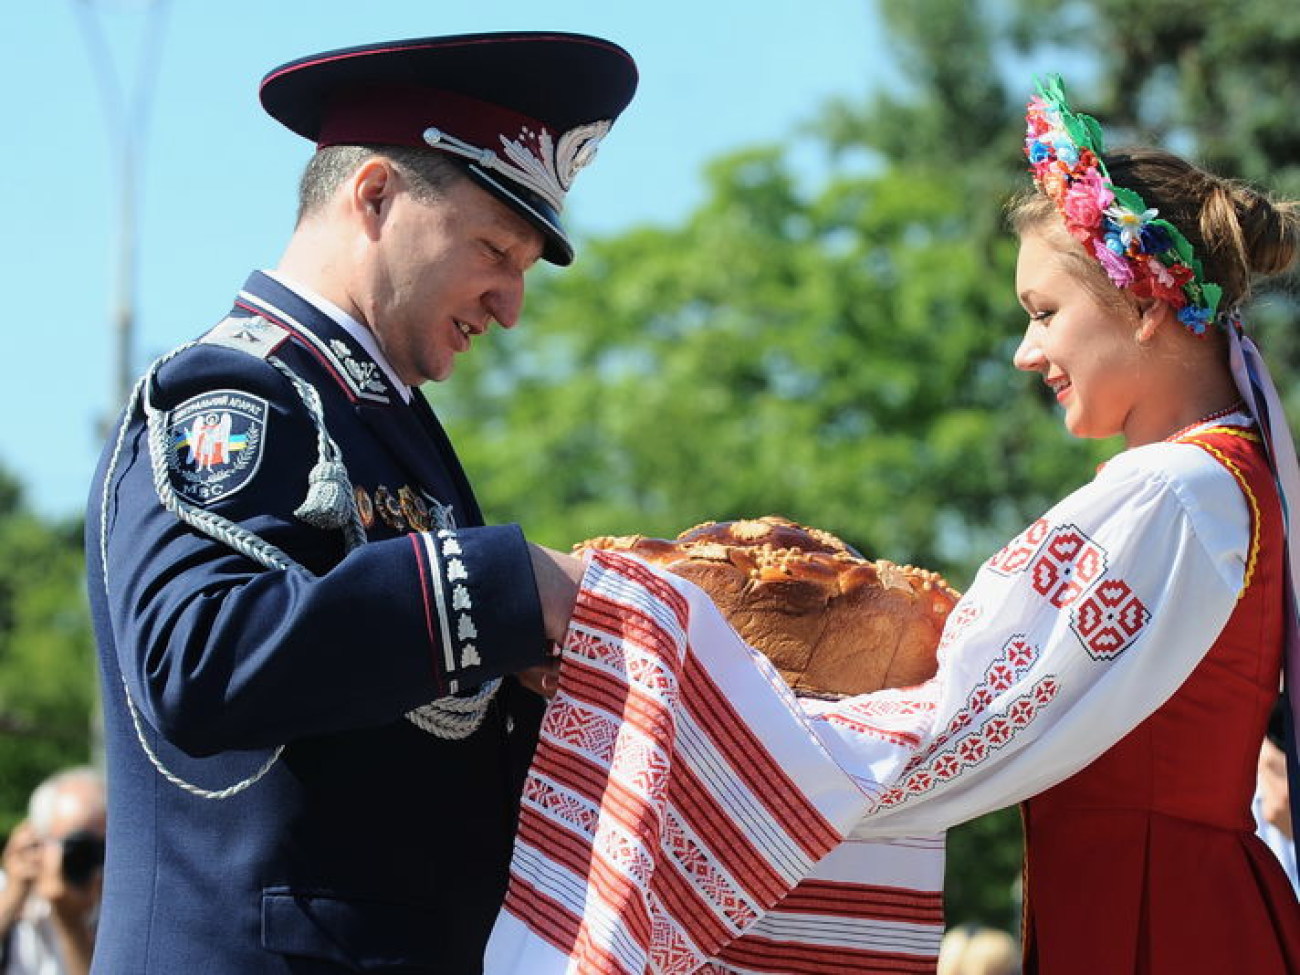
[{"x": 450, "y": 717}]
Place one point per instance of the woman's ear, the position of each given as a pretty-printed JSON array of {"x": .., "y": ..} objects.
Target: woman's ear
[{"x": 1153, "y": 315}]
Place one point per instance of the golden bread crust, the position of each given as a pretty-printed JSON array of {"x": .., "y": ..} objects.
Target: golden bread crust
[{"x": 833, "y": 622}]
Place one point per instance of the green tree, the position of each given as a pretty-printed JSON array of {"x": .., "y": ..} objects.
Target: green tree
[
  {"x": 47, "y": 669},
  {"x": 1218, "y": 79},
  {"x": 839, "y": 353}
]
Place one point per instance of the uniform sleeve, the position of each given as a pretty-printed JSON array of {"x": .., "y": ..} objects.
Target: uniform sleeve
[
  {"x": 1070, "y": 636},
  {"x": 220, "y": 651}
]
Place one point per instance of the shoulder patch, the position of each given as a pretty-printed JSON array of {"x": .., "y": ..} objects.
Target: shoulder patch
[
  {"x": 254, "y": 335},
  {"x": 215, "y": 443}
]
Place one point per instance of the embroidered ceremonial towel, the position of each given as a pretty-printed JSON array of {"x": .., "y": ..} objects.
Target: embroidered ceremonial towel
[
  {"x": 684, "y": 807},
  {"x": 682, "y": 816}
]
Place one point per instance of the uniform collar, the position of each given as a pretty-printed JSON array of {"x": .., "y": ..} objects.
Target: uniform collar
[
  {"x": 363, "y": 335},
  {"x": 349, "y": 355}
]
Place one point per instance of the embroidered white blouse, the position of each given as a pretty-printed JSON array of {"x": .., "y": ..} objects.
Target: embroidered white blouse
[{"x": 1036, "y": 678}]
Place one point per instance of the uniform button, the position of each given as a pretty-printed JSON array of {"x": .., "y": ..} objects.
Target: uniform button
[{"x": 510, "y": 726}]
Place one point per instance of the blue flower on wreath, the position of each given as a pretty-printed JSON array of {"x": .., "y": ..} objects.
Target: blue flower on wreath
[
  {"x": 1040, "y": 152},
  {"x": 1195, "y": 317},
  {"x": 1156, "y": 239},
  {"x": 1113, "y": 240}
]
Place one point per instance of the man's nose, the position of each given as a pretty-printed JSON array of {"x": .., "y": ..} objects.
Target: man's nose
[{"x": 505, "y": 302}]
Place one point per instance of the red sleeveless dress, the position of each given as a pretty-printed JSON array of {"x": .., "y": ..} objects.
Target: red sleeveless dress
[{"x": 1147, "y": 860}]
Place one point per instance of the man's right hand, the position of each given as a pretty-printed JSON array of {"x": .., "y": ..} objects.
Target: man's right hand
[
  {"x": 544, "y": 679},
  {"x": 558, "y": 576}
]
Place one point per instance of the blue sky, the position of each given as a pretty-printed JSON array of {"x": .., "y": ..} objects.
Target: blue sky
[{"x": 219, "y": 176}]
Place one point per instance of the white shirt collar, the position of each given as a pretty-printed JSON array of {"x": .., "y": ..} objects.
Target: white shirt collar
[{"x": 364, "y": 337}]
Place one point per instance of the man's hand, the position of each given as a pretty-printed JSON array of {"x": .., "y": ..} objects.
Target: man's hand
[
  {"x": 558, "y": 576},
  {"x": 542, "y": 679}
]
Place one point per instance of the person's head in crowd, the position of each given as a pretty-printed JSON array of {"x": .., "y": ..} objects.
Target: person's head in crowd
[
  {"x": 67, "y": 813},
  {"x": 973, "y": 949}
]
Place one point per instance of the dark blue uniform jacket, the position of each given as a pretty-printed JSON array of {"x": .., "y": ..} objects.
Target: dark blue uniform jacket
[{"x": 370, "y": 844}]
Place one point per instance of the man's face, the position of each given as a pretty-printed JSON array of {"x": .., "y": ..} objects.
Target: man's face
[{"x": 439, "y": 273}]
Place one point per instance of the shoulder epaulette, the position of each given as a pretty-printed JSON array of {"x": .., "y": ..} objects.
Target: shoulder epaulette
[{"x": 253, "y": 335}]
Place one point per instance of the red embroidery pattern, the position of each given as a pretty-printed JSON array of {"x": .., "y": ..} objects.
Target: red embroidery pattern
[
  {"x": 1066, "y": 566},
  {"x": 585, "y": 731},
  {"x": 1015, "y": 555},
  {"x": 1109, "y": 620},
  {"x": 625, "y": 872},
  {"x": 696, "y": 863},
  {"x": 958, "y": 621},
  {"x": 670, "y": 950},
  {"x": 568, "y": 807},
  {"x": 940, "y": 763},
  {"x": 888, "y": 715}
]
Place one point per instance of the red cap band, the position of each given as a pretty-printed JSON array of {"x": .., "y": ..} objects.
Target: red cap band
[{"x": 399, "y": 116}]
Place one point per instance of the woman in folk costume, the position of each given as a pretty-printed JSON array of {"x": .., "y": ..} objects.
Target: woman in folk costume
[
  {"x": 1145, "y": 618},
  {"x": 1113, "y": 667},
  {"x": 1133, "y": 269}
]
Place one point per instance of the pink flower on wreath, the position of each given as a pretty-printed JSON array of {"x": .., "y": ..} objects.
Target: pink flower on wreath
[
  {"x": 1086, "y": 199},
  {"x": 1160, "y": 274},
  {"x": 1116, "y": 266}
]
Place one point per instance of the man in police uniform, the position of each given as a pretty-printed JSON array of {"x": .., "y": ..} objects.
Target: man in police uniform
[{"x": 315, "y": 656}]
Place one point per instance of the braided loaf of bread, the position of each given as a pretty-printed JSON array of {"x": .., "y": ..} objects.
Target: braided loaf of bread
[{"x": 833, "y": 622}]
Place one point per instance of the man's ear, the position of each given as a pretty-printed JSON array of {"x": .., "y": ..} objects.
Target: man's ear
[{"x": 370, "y": 190}]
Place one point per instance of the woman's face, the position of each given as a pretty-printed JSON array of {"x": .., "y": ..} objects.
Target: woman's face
[{"x": 1085, "y": 348}]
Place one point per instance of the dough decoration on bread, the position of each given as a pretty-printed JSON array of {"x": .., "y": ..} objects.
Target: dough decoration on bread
[{"x": 834, "y": 623}]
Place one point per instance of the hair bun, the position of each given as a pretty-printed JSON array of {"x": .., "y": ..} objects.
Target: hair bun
[{"x": 1270, "y": 231}]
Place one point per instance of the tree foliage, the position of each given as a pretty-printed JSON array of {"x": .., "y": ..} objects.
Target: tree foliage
[
  {"x": 836, "y": 355},
  {"x": 839, "y": 352},
  {"x": 47, "y": 669},
  {"x": 835, "y": 349}
]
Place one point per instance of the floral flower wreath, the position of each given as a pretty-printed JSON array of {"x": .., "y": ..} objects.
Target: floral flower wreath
[{"x": 1138, "y": 251}]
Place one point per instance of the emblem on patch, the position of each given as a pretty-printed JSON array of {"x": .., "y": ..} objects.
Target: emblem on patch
[{"x": 215, "y": 443}]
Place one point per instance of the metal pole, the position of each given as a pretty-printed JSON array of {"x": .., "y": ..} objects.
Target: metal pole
[
  {"x": 126, "y": 130},
  {"x": 126, "y": 124}
]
